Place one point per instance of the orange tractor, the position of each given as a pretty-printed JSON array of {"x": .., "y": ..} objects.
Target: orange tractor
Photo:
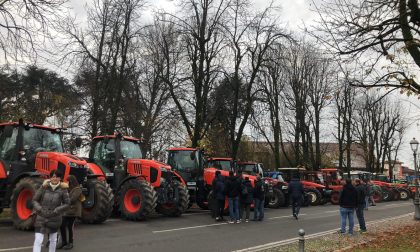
[
  {"x": 28, "y": 152},
  {"x": 140, "y": 185}
]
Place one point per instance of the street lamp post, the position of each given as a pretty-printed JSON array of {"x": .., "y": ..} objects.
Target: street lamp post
[{"x": 414, "y": 145}]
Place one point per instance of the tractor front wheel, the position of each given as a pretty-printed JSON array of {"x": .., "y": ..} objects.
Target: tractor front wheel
[
  {"x": 177, "y": 208},
  {"x": 21, "y": 205},
  {"x": 335, "y": 197},
  {"x": 277, "y": 199},
  {"x": 404, "y": 194},
  {"x": 386, "y": 195},
  {"x": 102, "y": 205},
  {"x": 315, "y": 196},
  {"x": 137, "y": 199}
]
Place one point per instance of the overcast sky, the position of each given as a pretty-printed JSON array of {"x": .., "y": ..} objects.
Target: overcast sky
[{"x": 294, "y": 13}]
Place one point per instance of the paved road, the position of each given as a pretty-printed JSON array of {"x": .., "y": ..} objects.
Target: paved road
[{"x": 196, "y": 231}]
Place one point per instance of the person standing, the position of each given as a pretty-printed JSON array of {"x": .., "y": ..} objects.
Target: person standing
[
  {"x": 74, "y": 211},
  {"x": 219, "y": 195},
  {"x": 370, "y": 190},
  {"x": 361, "y": 189},
  {"x": 348, "y": 202},
  {"x": 246, "y": 198},
  {"x": 49, "y": 203},
  {"x": 296, "y": 193},
  {"x": 233, "y": 189},
  {"x": 259, "y": 194}
]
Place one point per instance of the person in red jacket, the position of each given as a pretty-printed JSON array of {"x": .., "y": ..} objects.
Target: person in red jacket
[{"x": 348, "y": 202}]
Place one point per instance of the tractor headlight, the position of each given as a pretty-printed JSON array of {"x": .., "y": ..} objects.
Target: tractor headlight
[{"x": 73, "y": 164}]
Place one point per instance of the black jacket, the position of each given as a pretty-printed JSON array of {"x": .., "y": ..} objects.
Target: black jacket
[
  {"x": 348, "y": 197},
  {"x": 361, "y": 193},
  {"x": 219, "y": 187},
  {"x": 259, "y": 190},
  {"x": 296, "y": 189},
  {"x": 233, "y": 187},
  {"x": 247, "y": 198}
]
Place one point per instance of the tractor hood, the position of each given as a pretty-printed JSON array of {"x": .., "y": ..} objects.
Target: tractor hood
[
  {"x": 210, "y": 174},
  {"x": 47, "y": 161},
  {"x": 308, "y": 184}
]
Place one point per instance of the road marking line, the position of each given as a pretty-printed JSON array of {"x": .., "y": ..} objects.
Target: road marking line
[
  {"x": 310, "y": 236},
  {"x": 335, "y": 211},
  {"x": 185, "y": 228},
  {"x": 284, "y": 216},
  {"x": 16, "y": 249}
]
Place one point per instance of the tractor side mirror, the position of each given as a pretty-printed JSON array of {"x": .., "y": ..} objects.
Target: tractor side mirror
[
  {"x": 8, "y": 131},
  {"x": 78, "y": 142}
]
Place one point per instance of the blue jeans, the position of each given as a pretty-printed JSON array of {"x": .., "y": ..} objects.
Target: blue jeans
[
  {"x": 234, "y": 208},
  {"x": 361, "y": 217},
  {"x": 347, "y": 213},
  {"x": 366, "y": 202},
  {"x": 259, "y": 209}
]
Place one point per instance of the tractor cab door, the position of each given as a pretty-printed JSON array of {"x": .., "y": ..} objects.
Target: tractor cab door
[
  {"x": 103, "y": 154},
  {"x": 8, "y": 145}
]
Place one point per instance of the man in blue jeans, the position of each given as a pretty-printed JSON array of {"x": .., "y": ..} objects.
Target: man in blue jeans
[
  {"x": 259, "y": 194},
  {"x": 361, "y": 203},
  {"x": 233, "y": 189},
  {"x": 348, "y": 202}
]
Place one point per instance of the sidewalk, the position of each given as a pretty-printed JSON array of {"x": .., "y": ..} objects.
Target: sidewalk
[{"x": 332, "y": 241}]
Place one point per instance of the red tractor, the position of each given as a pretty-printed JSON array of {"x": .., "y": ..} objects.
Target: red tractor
[
  {"x": 28, "y": 152},
  {"x": 140, "y": 185},
  {"x": 318, "y": 193}
]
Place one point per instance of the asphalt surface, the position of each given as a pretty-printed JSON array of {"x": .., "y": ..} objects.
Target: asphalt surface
[{"x": 196, "y": 231}]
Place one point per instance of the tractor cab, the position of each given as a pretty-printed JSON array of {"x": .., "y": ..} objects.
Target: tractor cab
[
  {"x": 251, "y": 168},
  {"x": 28, "y": 152},
  {"x": 223, "y": 164}
]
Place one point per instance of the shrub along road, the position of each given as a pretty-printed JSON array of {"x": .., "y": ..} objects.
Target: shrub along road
[{"x": 196, "y": 231}]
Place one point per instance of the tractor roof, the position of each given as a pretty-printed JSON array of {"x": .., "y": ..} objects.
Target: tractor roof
[
  {"x": 328, "y": 169},
  {"x": 115, "y": 136},
  {"x": 220, "y": 159},
  {"x": 15, "y": 124},
  {"x": 182, "y": 149}
]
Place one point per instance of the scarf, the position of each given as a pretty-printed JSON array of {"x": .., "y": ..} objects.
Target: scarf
[{"x": 54, "y": 186}]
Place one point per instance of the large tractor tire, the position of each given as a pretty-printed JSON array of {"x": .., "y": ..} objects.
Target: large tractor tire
[
  {"x": 377, "y": 196},
  {"x": 103, "y": 203},
  {"x": 176, "y": 209},
  {"x": 395, "y": 194},
  {"x": 315, "y": 196},
  {"x": 404, "y": 194},
  {"x": 335, "y": 198},
  {"x": 21, "y": 205},
  {"x": 277, "y": 199},
  {"x": 386, "y": 195},
  {"x": 136, "y": 199}
]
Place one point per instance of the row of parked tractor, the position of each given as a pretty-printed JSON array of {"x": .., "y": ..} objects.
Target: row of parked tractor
[{"x": 117, "y": 180}]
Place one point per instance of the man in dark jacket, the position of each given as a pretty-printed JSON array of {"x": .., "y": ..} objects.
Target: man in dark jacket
[
  {"x": 246, "y": 197},
  {"x": 348, "y": 202},
  {"x": 361, "y": 194},
  {"x": 296, "y": 193},
  {"x": 219, "y": 195},
  {"x": 259, "y": 195},
  {"x": 233, "y": 189}
]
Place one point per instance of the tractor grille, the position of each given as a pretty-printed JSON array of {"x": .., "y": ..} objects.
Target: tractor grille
[
  {"x": 137, "y": 168},
  {"x": 45, "y": 165}
]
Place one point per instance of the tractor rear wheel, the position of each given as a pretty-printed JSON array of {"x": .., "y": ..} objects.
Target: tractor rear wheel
[
  {"x": 315, "y": 196},
  {"x": 21, "y": 204},
  {"x": 277, "y": 199},
  {"x": 395, "y": 194},
  {"x": 136, "y": 199},
  {"x": 176, "y": 209},
  {"x": 377, "y": 196},
  {"x": 404, "y": 194},
  {"x": 103, "y": 203},
  {"x": 335, "y": 197}
]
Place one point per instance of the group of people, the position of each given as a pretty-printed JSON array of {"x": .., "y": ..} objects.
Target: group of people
[
  {"x": 56, "y": 205},
  {"x": 355, "y": 196},
  {"x": 241, "y": 195}
]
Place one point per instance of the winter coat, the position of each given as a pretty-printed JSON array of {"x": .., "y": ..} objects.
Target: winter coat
[
  {"x": 247, "y": 198},
  {"x": 49, "y": 206},
  {"x": 75, "y": 208},
  {"x": 219, "y": 187},
  {"x": 259, "y": 190},
  {"x": 233, "y": 187},
  {"x": 361, "y": 190},
  {"x": 296, "y": 190},
  {"x": 348, "y": 197}
]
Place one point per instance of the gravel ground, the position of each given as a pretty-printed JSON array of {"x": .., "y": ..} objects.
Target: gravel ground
[{"x": 339, "y": 242}]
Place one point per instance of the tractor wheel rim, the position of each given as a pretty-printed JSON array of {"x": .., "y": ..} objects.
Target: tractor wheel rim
[
  {"x": 274, "y": 199},
  {"x": 313, "y": 197},
  {"x": 130, "y": 197},
  {"x": 22, "y": 210},
  {"x": 403, "y": 195},
  {"x": 335, "y": 197}
]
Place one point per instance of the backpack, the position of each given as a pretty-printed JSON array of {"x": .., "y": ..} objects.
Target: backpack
[{"x": 244, "y": 190}]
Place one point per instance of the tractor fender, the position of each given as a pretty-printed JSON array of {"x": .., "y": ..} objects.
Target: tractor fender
[
  {"x": 3, "y": 173},
  {"x": 130, "y": 178},
  {"x": 180, "y": 178},
  {"x": 96, "y": 171}
]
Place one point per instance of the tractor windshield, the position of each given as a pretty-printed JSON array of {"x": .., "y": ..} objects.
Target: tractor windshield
[
  {"x": 225, "y": 165},
  {"x": 182, "y": 160},
  {"x": 130, "y": 149},
  {"x": 36, "y": 140},
  {"x": 248, "y": 169}
]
